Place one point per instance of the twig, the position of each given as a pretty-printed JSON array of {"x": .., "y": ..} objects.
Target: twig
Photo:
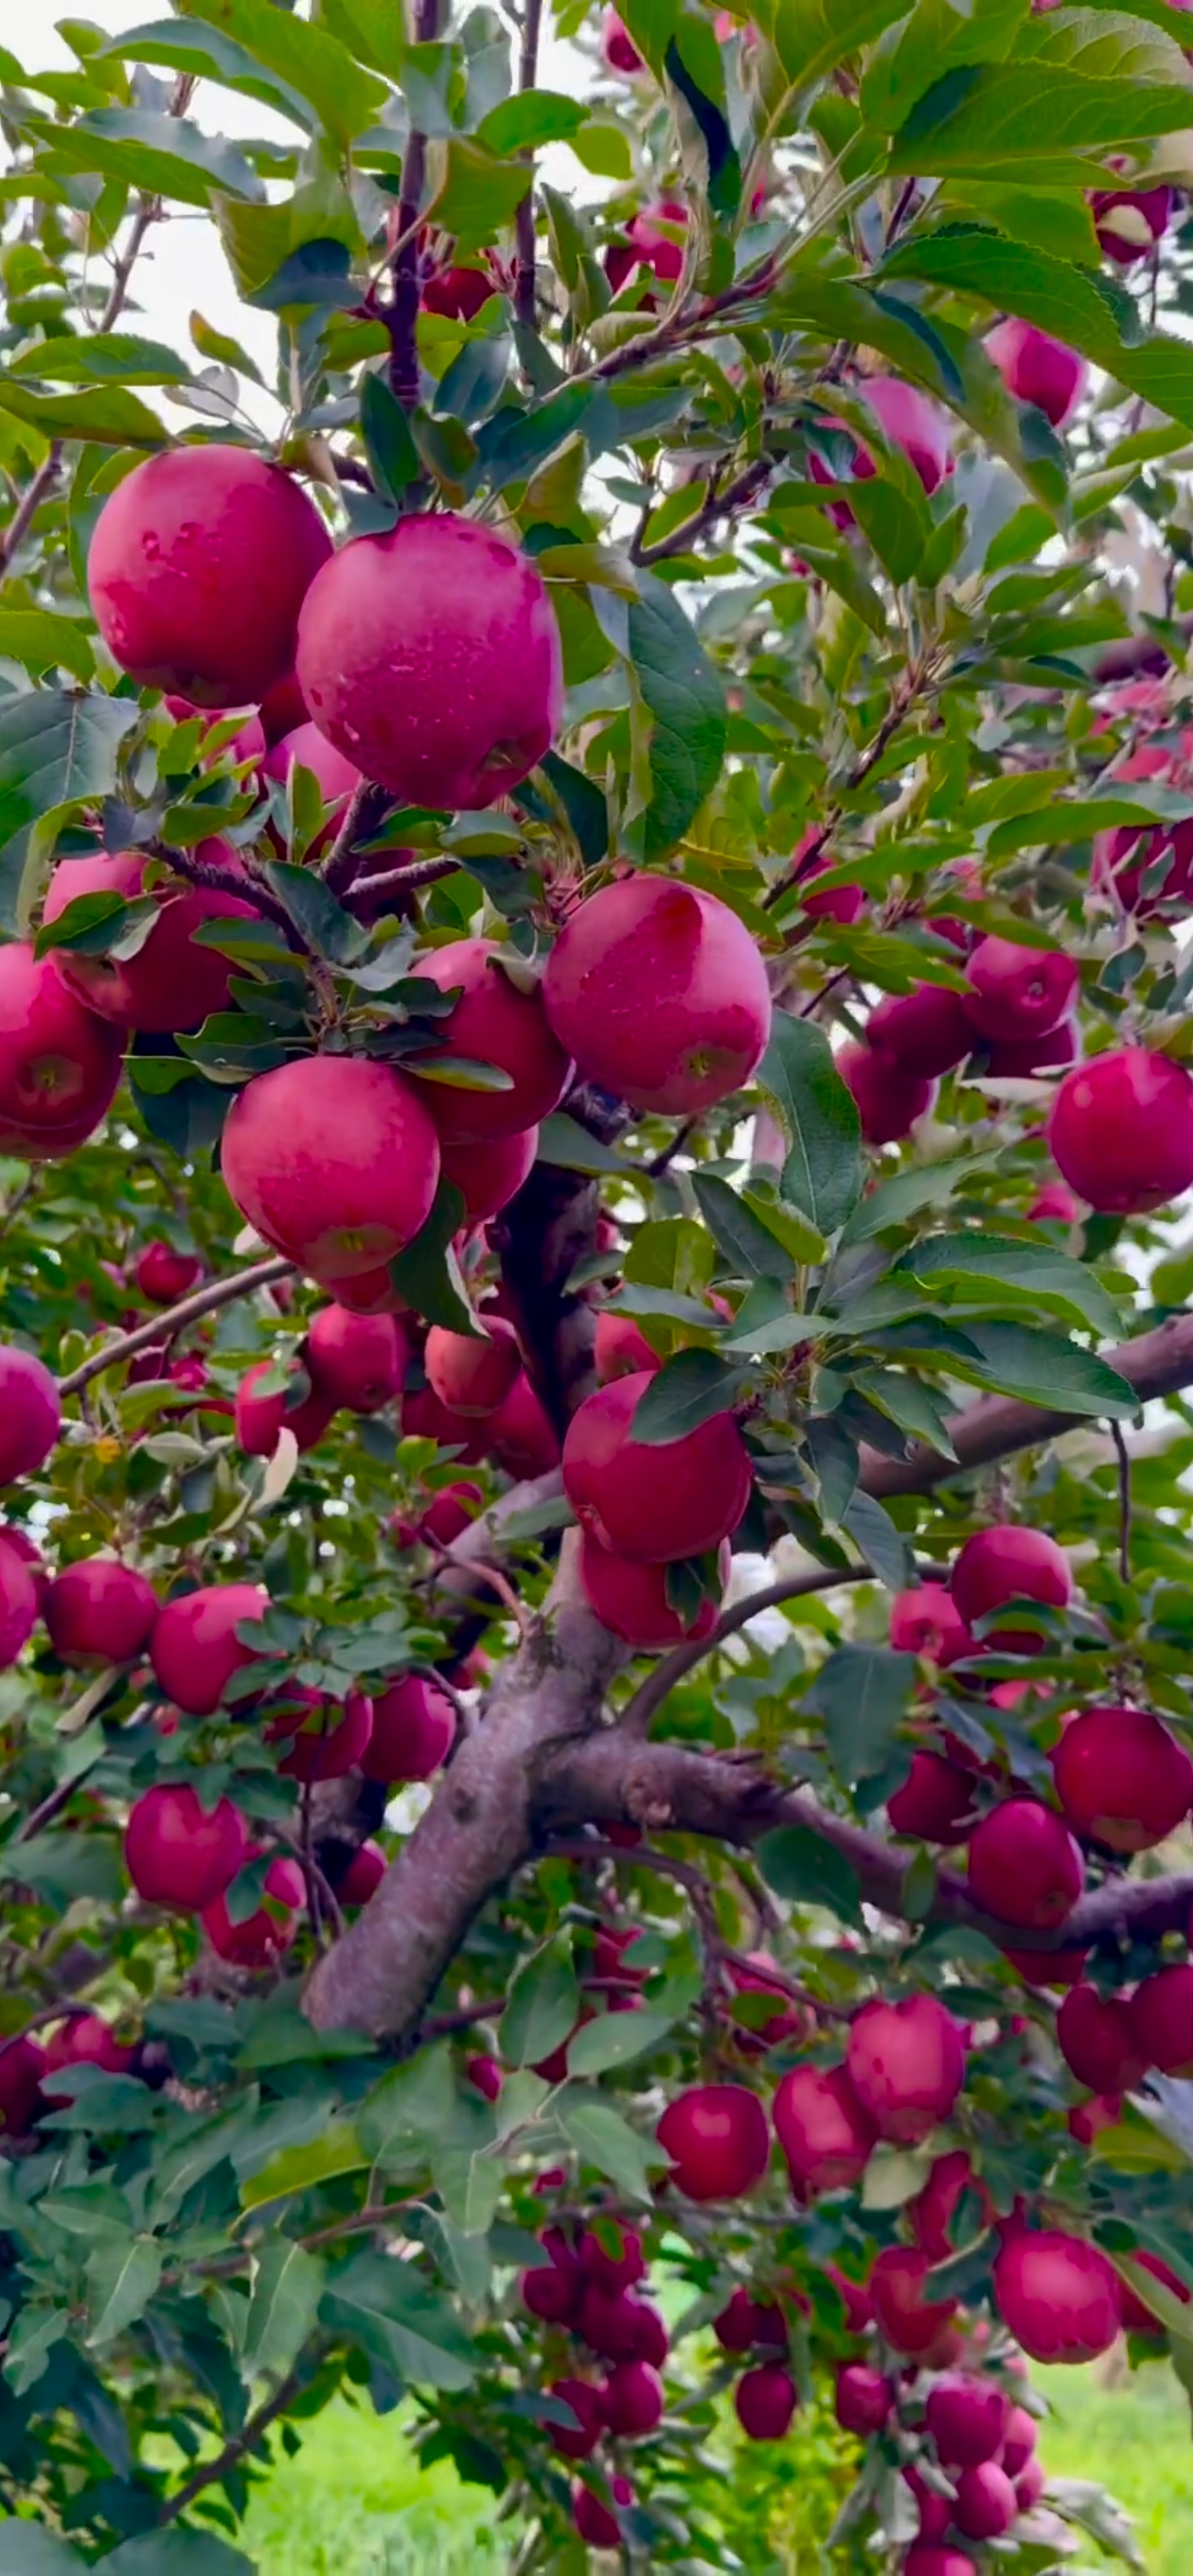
[
  {"x": 903, "y": 698},
  {"x": 719, "y": 503},
  {"x": 444, "y": 2025},
  {"x": 20, "y": 1197},
  {"x": 658, "y": 1685},
  {"x": 213, "y": 2471},
  {"x": 524, "y": 274},
  {"x": 361, "y": 817},
  {"x": 246, "y": 886},
  {"x": 174, "y": 1319},
  {"x": 378, "y": 2216},
  {"x": 1124, "y": 1500},
  {"x": 401, "y": 319},
  {"x": 399, "y": 881},
  {"x": 663, "y": 1161}
]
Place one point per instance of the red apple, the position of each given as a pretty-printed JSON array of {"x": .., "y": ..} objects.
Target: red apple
[
  {"x": 606, "y": 2320},
  {"x": 1121, "y": 1130},
  {"x": 15, "y": 1541},
  {"x": 1031, "y": 2485},
  {"x": 618, "y": 47},
  {"x": 493, "y": 1021},
  {"x": 613, "y": 2270},
  {"x": 1161, "y": 2014},
  {"x": 1138, "y": 2318},
  {"x": 1057, "y": 2296},
  {"x": 260, "y": 1418},
  {"x": 986, "y": 2503},
  {"x": 909, "y": 2319},
  {"x": 449, "y": 1513},
  {"x": 22, "y": 2066},
  {"x": 358, "y": 1361},
  {"x": 1021, "y": 1059},
  {"x": 336, "y": 777},
  {"x": 659, "y": 992},
  {"x": 267, "y": 1933},
  {"x": 1122, "y": 1778},
  {"x": 425, "y": 1418},
  {"x": 577, "y": 2439},
  {"x": 172, "y": 982},
  {"x": 782, "y": 2020},
  {"x": 1055, "y": 1205},
  {"x": 1019, "y": 2441},
  {"x": 935, "y": 1802},
  {"x": 1009, "y": 1563},
  {"x": 488, "y": 1175},
  {"x": 928, "y": 1622},
  {"x": 194, "y": 1648},
  {"x": 485, "y": 2076},
  {"x": 888, "y": 1101},
  {"x": 748, "y": 2322},
  {"x": 765, "y": 2401},
  {"x": 924, "y": 2559},
  {"x": 596, "y": 2525},
  {"x": 910, "y": 420},
  {"x": 1018, "y": 992},
  {"x": 925, "y": 1033},
  {"x": 1038, "y": 369},
  {"x": 363, "y": 1876},
  {"x": 30, "y": 1412},
  {"x": 653, "y": 1504},
  {"x": 824, "y": 2133},
  {"x": 414, "y": 1728},
  {"x": 99, "y": 1611},
  {"x": 552, "y": 2291},
  {"x": 967, "y": 2419},
  {"x": 473, "y": 1374},
  {"x": 632, "y": 2399},
  {"x": 164, "y": 1275},
  {"x": 181, "y": 1854},
  {"x": 1024, "y": 1866},
  {"x": 622, "y": 1349},
  {"x": 19, "y": 1605},
  {"x": 717, "y": 2138},
  {"x": 430, "y": 656},
  {"x": 1086, "y": 2120},
  {"x": 519, "y": 1436},
  {"x": 198, "y": 567},
  {"x": 459, "y": 293},
  {"x": 1130, "y": 221},
  {"x": 326, "y": 1738},
  {"x": 334, "y": 1160},
  {"x": 85, "y": 2039},
  {"x": 632, "y": 1600},
  {"x": 654, "y": 239},
  {"x": 864, "y": 2401},
  {"x": 60, "y": 1064},
  {"x": 933, "y": 2210},
  {"x": 906, "y": 2064}
]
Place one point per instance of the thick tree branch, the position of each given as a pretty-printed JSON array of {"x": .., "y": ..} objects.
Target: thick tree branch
[
  {"x": 368, "y": 895},
  {"x": 541, "y": 1236},
  {"x": 174, "y": 1319}
]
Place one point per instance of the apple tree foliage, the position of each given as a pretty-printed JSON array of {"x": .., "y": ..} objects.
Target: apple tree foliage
[{"x": 294, "y": 2187}]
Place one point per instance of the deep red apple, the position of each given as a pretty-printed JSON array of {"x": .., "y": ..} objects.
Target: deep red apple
[
  {"x": 906, "y": 2064},
  {"x": 1121, "y": 1130},
  {"x": 1161, "y": 2013},
  {"x": 260, "y": 1418},
  {"x": 99, "y": 1611},
  {"x": 660, "y": 993},
  {"x": 19, "y": 1605},
  {"x": 824, "y": 2133},
  {"x": 60, "y": 1064},
  {"x": 1130, "y": 221},
  {"x": 164, "y": 1275},
  {"x": 198, "y": 566},
  {"x": 458, "y": 293},
  {"x": 717, "y": 2138},
  {"x": 326, "y": 1738},
  {"x": 414, "y": 1728},
  {"x": 1138, "y": 2318},
  {"x": 924, "y": 2559},
  {"x": 363, "y": 1876},
  {"x": 578, "y": 2439},
  {"x": 632, "y": 2399},
  {"x": 334, "y": 1160},
  {"x": 765, "y": 2401},
  {"x": 425, "y": 1418},
  {"x": 181, "y": 1854},
  {"x": 747, "y": 2322},
  {"x": 1022, "y": 1058},
  {"x": 654, "y": 239},
  {"x": 335, "y": 777},
  {"x": 519, "y": 1437},
  {"x": 1024, "y": 1866},
  {"x": 653, "y": 1504},
  {"x": 1122, "y": 1778},
  {"x": 928, "y": 1622},
  {"x": 967, "y": 2419},
  {"x": 1038, "y": 369},
  {"x": 1009, "y": 1563},
  {"x": 30, "y": 1412},
  {"x": 986, "y": 2503},
  {"x": 909, "y": 2319},
  {"x": 888, "y": 1101},
  {"x": 1057, "y": 2296},
  {"x": 606, "y": 2320},
  {"x": 22, "y": 2066},
  {"x": 1019, "y": 2441},
  {"x": 450, "y": 1512},
  {"x": 631, "y": 1599},
  {"x": 268, "y": 1932},
  {"x": 86, "y": 2039},
  {"x": 618, "y": 47},
  {"x": 490, "y": 1174},
  {"x": 430, "y": 656},
  {"x": 358, "y": 1361},
  {"x": 933, "y": 2210},
  {"x": 552, "y": 2291},
  {"x": 925, "y": 1033},
  {"x": 622, "y": 1349},
  {"x": 864, "y": 2399},
  {"x": 595, "y": 2524},
  {"x": 485, "y": 2076},
  {"x": 15, "y": 1541},
  {"x": 473, "y": 1374},
  {"x": 494, "y": 1021},
  {"x": 935, "y": 1802},
  {"x": 1018, "y": 992},
  {"x": 935, "y": 2511},
  {"x": 195, "y": 1650},
  {"x": 172, "y": 982}
]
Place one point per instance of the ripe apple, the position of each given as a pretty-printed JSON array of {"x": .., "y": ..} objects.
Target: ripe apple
[
  {"x": 1130, "y": 221},
  {"x": 485, "y": 2076},
  {"x": 864, "y": 2400},
  {"x": 425, "y": 1418},
  {"x": 935, "y": 1802},
  {"x": 605, "y": 2320},
  {"x": 459, "y": 293},
  {"x": 173, "y": 982},
  {"x": 198, "y": 567},
  {"x": 85, "y": 2039},
  {"x": 654, "y": 239},
  {"x": 22, "y": 2066},
  {"x": 1018, "y": 992},
  {"x": 928, "y": 1622},
  {"x": 925, "y": 1033},
  {"x": 613, "y": 2270},
  {"x": 358, "y": 1361},
  {"x": 631, "y": 1599},
  {"x": 194, "y": 1648},
  {"x": 889, "y": 1102},
  {"x": 906, "y": 2064},
  {"x": 164, "y": 1275},
  {"x": 519, "y": 1437},
  {"x": 909, "y": 2319},
  {"x": 1161, "y": 2011},
  {"x": 1009, "y": 1563},
  {"x": 473, "y": 1374},
  {"x": 765, "y": 2400},
  {"x": 1024, "y": 1866},
  {"x": 326, "y": 1738},
  {"x": 60, "y": 1064},
  {"x": 488, "y": 1175},
  {"x": 363, "y": 1876},
  {"x": 622, "y": 1349},
  {"x": 1138, "y": 2318},
  {"x": 334, "y": 1160},
  {"x": 618, "y": 47},
  {"x": 967, "y": 2419},
  {"x": 260, "y": 1418},
  {"x": 181, "y": 1854},
  {"x": 910, "y": 420},
  {"x": 1055, "y": 1205},
  {"x": 632, "y": 2399},
  {"x": 924, "y": 2559},
  {"x": 595, "y": 2524},
  {"x": 552, "y": 2291},
  {"x": 268, "y": 1932},
  {"x": 1122, "y": 1778},
  {"x": 653, "y": 1504},
  {"x": 1022, "y": 1058},
  {"x": 430, "y": 656},
  {"x": 1096, "y": 2037},
  {"x": 1122, "y": 858},
  {"x": 19, "y": 1605},
  {"x": 717, "y": 2138},
  {"x": 659, "y": 992},
  {"x": 1019, "y": 2441},
  {"x": 747, "y": 2323},
  {"x": 447, "y": 1515},
  {"x": 414, "y": 1728},
  {"x": 1038, "y": 369},
  {"x": 783, "y": 2019},
  {"x": 1057, "y": 2296},
  {"x": 493, "y": 1021},
  {"x": 15, "y": 1541},
  {"x": 30, "y": 1413},
  {"x": 986, "y": 2504},
  {"x": 578, "y": 2439},
  {"x": 824, "y": 2132},
  {"x": 99, "y": 1611},
  {"x": 931, "y": 2214},
  {"x": 1121, "y": 1130},
  {"x": 335, "y": 777}
]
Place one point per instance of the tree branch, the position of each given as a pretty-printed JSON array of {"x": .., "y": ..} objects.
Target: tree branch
[
  {"x": 212, "y": 2471},
  {"x": 402, "y": 317},
  {"x": 524, "y": 273},
  {"x": 636, "y": 1715},
  {"x": 174, "y": 1319},
  {"x": 246, "y": 886},
  {"x": 544, "y": 1233},
  {"x": 365, "y": 809},
  {"x": 718, "y": 503},
  {"x": 367, "y": 893}
]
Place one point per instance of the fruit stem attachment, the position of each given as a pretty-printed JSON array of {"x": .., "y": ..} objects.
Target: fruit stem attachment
[{"x": 174, "y": 1319}]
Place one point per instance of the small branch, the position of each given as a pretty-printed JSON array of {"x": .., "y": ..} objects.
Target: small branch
[
  {"x": 1124, "y": 1500},
  {"x": 524, "y": 273},
  {"x": 247, "y": 887},
  {"x": 444, "y": 2025},
  {"x": 401, "y": 319},
  {"x": 37, "y": 490},
  {"x": 719, "y": 503},
  {"x": 365, "y": 809},
  {"x": 903, "y": 698},
  {"x": 213, "y": 2471},
  {"x": 174, "y": 1319},
  {"x": 369, "y": 891},
  {"x": 636, "y": 1715}
]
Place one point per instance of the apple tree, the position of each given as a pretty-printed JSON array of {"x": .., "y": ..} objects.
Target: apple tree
[{"x": 595, "y": 1744}]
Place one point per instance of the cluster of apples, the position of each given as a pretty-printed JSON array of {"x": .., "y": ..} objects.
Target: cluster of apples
[{"x": 589, "y": 2287}]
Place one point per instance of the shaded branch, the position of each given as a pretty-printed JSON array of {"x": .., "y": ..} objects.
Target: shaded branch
[
  {"x": 246, "y": 886},
  {"x": 365, "y": 809},
  {"x": 401, "y": 320},
  {"x": 365, "y": 894},
  {"x": 543, "y": 1234},
  {"x": 174, "y": 1319},
  {"x": 524, "y": 271},
  {"x": 213, "y": 2471},
  {"x": 720, "y": 502},
  {"x": 658, "y": 1685}
]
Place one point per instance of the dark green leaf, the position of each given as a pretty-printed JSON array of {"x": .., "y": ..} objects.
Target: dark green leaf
[
  {"x": 58, "y": 748},
  {"x": 165, "y": 155},
  {"x": 688, "y": 1390},
  {"x": 393, "y": 2313},
  {"x": 798, "y": 1864},
  {"x": 329, "y": 930},
  {"x": 684, "y": 698},
  {"x": 863, "y": 1693},
  {"x": 387, "y": 436},
  {"x": 744, "y": 1238},
  {"x": 1047, "y": 1370},
  {"x": 822, "y": 1176},
  {"x": 1038, "y": 1266},
  {"x": 543, "y": 2006},
  {"x": 603, "y": 2138},
  {"x": 427, "y": 1273}
]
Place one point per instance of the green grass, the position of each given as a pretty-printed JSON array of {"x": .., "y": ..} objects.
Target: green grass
[{"x": 1133, "y": 2438}]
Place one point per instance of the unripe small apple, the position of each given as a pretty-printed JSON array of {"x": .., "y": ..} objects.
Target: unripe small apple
[
  {"x": 1055, "y": 1205},
  {"x": 195, "y": 1649},
  {"x": 30, "y": 1412},
  {"x": 596, "y": 2525},
  {"x": 765, "y": 2401},
  {"x": 334, "y": 1160},
  {"x": 653, "y": 1504},
  {"x": 1038, "y": 369},
  {"x": 414, "y": 1728},
  {"x": 717, "y": 2139},
  {"x": 631, "y": 1600},
  {"x": 99, "y": 1611},
  {"x": 1018, "y": 992},
  {"x": 986, "y": 2503},
  {"x": 925, "y": 1033},
  {"x": 888, "y": 1101},
  {"x": 864, "y": 2399},
  {"x": 906, "y": 2315},
  {"x": 1121, "y": 1130},
  {"x": 1161, "y": 2017},
  {"x": 659, "y": 992},
  {"x": 824, "y": 2132},
  {"x": 268, "y": 1932},
  {"x": 1024, "y": 1866},
  {"x": 578, "y": 2439},
  {"x": 906, "y": 2064},
  {"x": 1122, "y": 1778},
  {"x": 473, "y": 1375},
  {"x": 358, "y": 1361},
  {"x": 1009, "y": 1563},
  {"x": 633, "y": 2400},
  {"x": 927, "y": 1622},
  {"x": 363, "y": 1876},
  {"x": 1057, "y": 2296},
  {"x": 967, "y": 2419},
  {"x": 180, "y": 1854},
  {"x": 493, "y": 1021},
  {"x": 259, "y": 1419},
  {"x": 164, "y": 1275}
]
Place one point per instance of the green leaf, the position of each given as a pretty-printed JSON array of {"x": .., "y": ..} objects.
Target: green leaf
[
  {"x": 1046, "y": 1370},
  {"x": 835, "y": 1464},
  {"x": 897, "y": 525},
  {"x": 121, "y": 2280},
  {"x": 427, "y": 1274},
  {"x": 329, "y": 930},
  {"x": 57, "y": 748},
  {"x": 288, "y": 2284},
  {"x": 543, "y": 2006},
  {"x": 913, "y": 1407},
  {"x": 416, "y": 2101},
  {"x": 105, "y": 414},
  {"x": 740, "y": 1232},
  {"x": 44, "y": 642},
  {"x": 798, "y": 1864},
  {"x": 322, "y": 2159},
  {"x": 204, "y": 53},
  {"x": 389, "y": 442},
  {"x": 599, "y": 2133},
  {"x": 1038, "y": 1267},
  {"x": 823, "y": 1174},
  {"x": 474, "y": 194},
  {"x": 812, "y": 36},
  {"x": 863, "y": 1693},
  {"x": 938, "y": 37},
  {"x": 108, "y": 357},
  {"x": 167, "y": 156},
  {"x": 565, "y": 1143},
  {"x": 530, "y": 119},
  {"x": 28, "y": 2549},
  {"x": 689, "y": 1389},
  {"x": 309, "y": 59},
  {"x": 177, "y": 2553},
  {"x": 884, "y": 1547},
  {"x": 613, "y": 2039},
  {"x": 684, "y": 698},
  {"x": 901, "y": 1196},
  {"x": 397, "y": 2318},
  {"x": 1075, "y": 92}
]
